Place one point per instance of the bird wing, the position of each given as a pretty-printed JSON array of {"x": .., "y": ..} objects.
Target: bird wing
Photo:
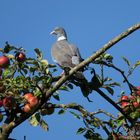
[{"x": 65, "y": 54}]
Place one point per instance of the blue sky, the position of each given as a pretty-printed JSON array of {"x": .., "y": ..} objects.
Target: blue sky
[{"x": 89, "y": 24}]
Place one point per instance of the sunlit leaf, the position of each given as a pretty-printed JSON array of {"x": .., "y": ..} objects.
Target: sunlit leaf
[
  {"x": 136, "y": 64},
  {"x": 6, "y": 73},
  {"x": 75, "y": 115},
  {"x": 120, "y": 121},
  {"x": 126, "y": 61},
  {"x": 108, "y": 57},
  {"x": 64, "y": 88},
  {"x": 35, "y": 119},
  {"x": 44, "y": 62},
  {"x": 135, "y": 114}
]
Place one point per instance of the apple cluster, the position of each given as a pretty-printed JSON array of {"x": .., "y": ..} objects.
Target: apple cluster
[
  {"x": 131, "y": 102},
  {"x": 9, "y": 102},
  {"x": 32, "y": 102}
]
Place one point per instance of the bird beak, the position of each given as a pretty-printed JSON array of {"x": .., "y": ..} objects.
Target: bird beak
[{"x": 52, "y": 33}]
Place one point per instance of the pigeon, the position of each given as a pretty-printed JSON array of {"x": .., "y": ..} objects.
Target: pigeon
[{"x": 67, "y": 56}]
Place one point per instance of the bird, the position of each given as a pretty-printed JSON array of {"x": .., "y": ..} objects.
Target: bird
[{"x": 67, "y": 56}]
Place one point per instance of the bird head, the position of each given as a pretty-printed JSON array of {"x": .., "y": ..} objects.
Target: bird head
[{"x": 60, "y": 33}]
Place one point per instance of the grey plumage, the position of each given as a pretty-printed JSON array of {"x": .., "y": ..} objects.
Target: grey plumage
[
  {"x": 67, "y": 55},
  {"x": 64, "y": 53}
]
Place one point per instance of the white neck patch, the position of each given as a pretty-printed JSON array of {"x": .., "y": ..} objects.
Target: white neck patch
[{"x": 61, "y": 38}]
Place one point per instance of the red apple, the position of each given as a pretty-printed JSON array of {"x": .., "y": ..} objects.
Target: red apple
[
  {"x": 124, "y": 98},
  {"x": 136, "y": 104},
  {"x": 27, "y": 108},
  {"x": 9, "y": 103},
  {"x": 20, "y": 56},
  {"x": 4, "y": 61},
  {"x": 33, "y": 101},
  {"x": 124, "y": 104},
  {"x": 28, "y": 95}
]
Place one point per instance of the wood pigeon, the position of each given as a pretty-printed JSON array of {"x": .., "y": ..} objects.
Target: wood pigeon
[{"x": 67, "y": 55}]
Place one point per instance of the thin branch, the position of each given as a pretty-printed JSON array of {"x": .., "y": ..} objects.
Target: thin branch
[
  {"x": 104, "y": 112},
  {"x": 114, "y": 104},
  {"x": 131, "y": 87}
]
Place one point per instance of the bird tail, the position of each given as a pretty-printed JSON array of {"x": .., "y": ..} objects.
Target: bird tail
[{"x": 80, "y": 80}]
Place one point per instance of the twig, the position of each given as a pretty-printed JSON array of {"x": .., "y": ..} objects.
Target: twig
[
  {"x": 104, "y": 112},
  {"x": 131, "y": 87}
]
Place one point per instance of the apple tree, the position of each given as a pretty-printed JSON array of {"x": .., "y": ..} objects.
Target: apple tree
[{"x": 27, "y": 86}]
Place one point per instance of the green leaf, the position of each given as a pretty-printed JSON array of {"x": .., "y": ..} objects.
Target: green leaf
[
  {"x": 8, "y": 48},
  {"x": 49, "y": 79},
  {"x": 62, "y": 111},
  {"x": 6, "y": 73},
  {"x": 136, "y": 64},
  {"x": 115, "y": 84},
  {"x": 44, "y": 125},
  {"x": 44, "y": 62},
  {"x": 73, "y": 104},
  {"x": 38, "y": 53},
  {"x": 96, "y": 81},
  {"x": 75, "y": 115},
  {"x": 135, "y": 114},
  {"x": 35, "y": 119},
  {"x": 90, "y": 135},
  {"x": 107, "y": 79},
  {"x": 138, "y": 99},
  {"x": 81, "y": 130},
  {"x": 110, "y": 90},
  {"x": 25, "y": 71},
  {"x": 126, "y": 61},
  {"x": 120, "y": 121},
  {"x": 63, "y": 88},
  {"x": 108, "y": 57},
  {"x": 70, "y": 86},
  {"x": 56, "y": 96}
]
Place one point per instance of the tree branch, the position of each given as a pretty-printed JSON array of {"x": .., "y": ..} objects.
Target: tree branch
[
  {"x": 131, "y": 87},
  {"x": 114, "y": 104},
  {"x": 84, "y": 113},
  {"x": 92, "y": 58},
  {"x": 64, "y": 78}
]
